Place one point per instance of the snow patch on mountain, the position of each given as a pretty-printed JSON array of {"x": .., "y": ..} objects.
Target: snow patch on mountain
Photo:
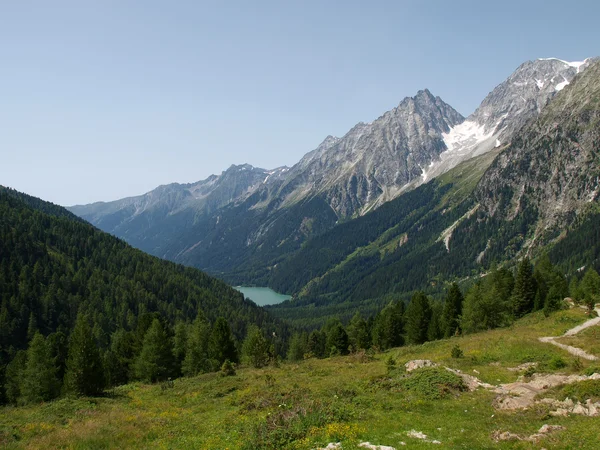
[
  {"x": 560, "y": 86},
  {"x": 575, "y": 64}
]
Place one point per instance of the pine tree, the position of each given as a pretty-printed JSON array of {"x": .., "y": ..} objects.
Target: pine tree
[
  {"x": 450, "y": 321},
  {"x": 590, "y": 288},
  {"x": 358, "y": 333},
  {"x": 523, "y": 297},
  {"x": 84, "y": 374},
  {"x": 389, "y": 326},
  {"x": 156, "y": 361},
  {"x": 298, "y": 347},
  {"x": 197, "y": 359},
  {"x": 255, "y": 348},
  {"x": 484, "y": 308},
  {"x": 14, "y": 377},
  {"x": 180, "y": 345},
  {"x": 222, "y": 346},
  {"x": 39, "y": 382},
  {"x": 316, "y": 343},
  {"x": 417, "y": 318},
  {"x": 337, "y": 340},
  {"x": 119, "y": 358},
  {"x": 434, "y": 331}
]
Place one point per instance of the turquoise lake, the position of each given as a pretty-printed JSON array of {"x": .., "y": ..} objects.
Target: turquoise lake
[{"x": 262, "y": 296}]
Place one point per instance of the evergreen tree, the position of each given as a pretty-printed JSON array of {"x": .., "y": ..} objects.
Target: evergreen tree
[
  {"x": 298, "y": 347},
  {"x": 523, "y": 297},
  {"x": 590, "y": 288},
  {"x": 417, "y": 318},
  {"x": 222, "y": 346},
  {"x": 156, "y": 361},
  {"x": 434, "y": 331},
  {"x": 484, "y": 308},
  {"x": 450, "y": 321},
  {"x": 255, "y": 349},
  {"x": 180, "y": 345},
  {"x": 197, "y": 359},
  {"x": 358, "y": 333},
  {"x": 58, "y": 346},
  {"x": 39, "y": 382},
  {"x": 389, "y": 326},
  {"x": 317, "y": 341},
  {"x": 337, "y": 340},
  {"x": 84, "y": 374},
  {"x": 14, "y": 377},
  {"x": 119, "y": 358}
]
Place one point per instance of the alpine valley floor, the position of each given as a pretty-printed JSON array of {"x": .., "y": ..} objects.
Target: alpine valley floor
[{"x": 352, "y": 400}]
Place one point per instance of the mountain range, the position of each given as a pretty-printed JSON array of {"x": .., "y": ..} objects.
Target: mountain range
[{"x": 513, "y": 176}]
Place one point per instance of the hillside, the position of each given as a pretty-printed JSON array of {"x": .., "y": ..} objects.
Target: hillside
[
  {"x": 351, "y": 400},
  {"x": 55, "y": 266}
]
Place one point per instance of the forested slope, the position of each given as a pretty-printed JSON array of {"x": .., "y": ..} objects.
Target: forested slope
[{"x": 54, "y": 266}]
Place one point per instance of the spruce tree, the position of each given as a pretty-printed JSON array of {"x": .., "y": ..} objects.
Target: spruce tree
[
  {"x": 337, "y": 340},
  {"x": 156, "y": 361},
  {"x": 39, "y": 382},
  {"x": 180, "y": 345},
  {"x": 197, "y": 359},
  {"x": 523, "y": 297},
  {"x": 14, "y": 377},
  {"x": 434, "y": 331},
  {"x": 450, "y": 321},
  {"x": 298, "y": 347},
  {"x": 590, "y": 288},
  {"x": 316, "y": 343},
  {"x": 255, "y": 349},
  {"x": 222, "y": 345},
  {"x": 84, "y": 374},
  {"x": 358, "y": 333},
  {"x": 417, "y": 318}
]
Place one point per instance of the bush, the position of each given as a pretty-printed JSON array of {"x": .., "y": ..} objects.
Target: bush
[
  {"x": 557, "y": 363},
  {"x": 432, "y": 383},
  {"x": 227, "y": 369},
  {"x": 456, "y": 352}
]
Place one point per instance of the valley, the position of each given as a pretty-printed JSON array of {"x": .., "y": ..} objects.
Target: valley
[{"x": 424, "y": 278}]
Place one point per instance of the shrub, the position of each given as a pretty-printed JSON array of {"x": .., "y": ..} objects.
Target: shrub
[
  {"x": 456, "y": 352},
  {"x": 432, "y": 383},
  {"x": 227, "y": 369},
  {"x": 557, "y": 363}
]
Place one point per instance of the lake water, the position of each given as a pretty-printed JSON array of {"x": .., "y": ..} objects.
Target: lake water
[{"x": 262, "y": 295}]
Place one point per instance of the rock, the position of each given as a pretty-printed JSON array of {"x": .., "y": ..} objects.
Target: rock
[
  {"x": 505, "y": 436},
  {"x": 545, "y": 429},
  {"x": 416, "y": 434},
  {"x": 419, "y": 364},
  {"x": 580, "y": 409},
  {"x": 375, "y": 447},
  {"x": 332, "y": 446}
]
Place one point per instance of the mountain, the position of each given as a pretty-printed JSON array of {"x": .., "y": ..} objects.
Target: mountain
[
  {"x": 539, "y": 193},
  {"x": 243, "y": 223},
  {"x": 145, "y": 219},
  {"x": 55, "y": 266}
]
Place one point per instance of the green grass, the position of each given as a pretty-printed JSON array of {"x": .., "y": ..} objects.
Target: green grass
[{"x": 307, "y": 405}]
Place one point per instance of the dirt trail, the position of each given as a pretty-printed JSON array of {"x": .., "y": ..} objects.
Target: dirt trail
[{"x": 572, "y": 332}]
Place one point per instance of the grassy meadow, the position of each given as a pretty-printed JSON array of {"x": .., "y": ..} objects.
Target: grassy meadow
[{"x": 309, "y": 404}]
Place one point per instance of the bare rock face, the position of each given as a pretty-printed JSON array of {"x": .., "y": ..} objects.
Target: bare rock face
[
  {"x": 374, "y": 161},
  {"x": 550, "y": 171}
]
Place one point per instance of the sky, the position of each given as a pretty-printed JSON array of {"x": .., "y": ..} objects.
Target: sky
[{"x": 101, "y": 100}]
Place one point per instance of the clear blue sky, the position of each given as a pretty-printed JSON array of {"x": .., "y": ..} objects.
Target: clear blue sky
[{"x": 105, "y": 99}]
